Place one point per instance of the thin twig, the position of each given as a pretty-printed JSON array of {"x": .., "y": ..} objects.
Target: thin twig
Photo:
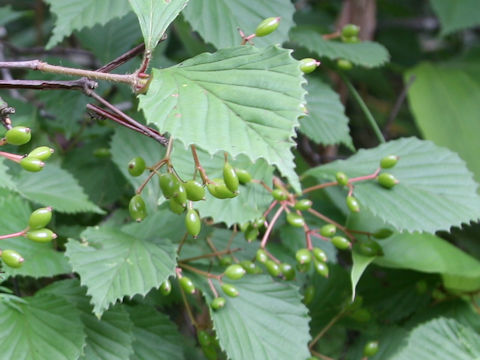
[
  {"x": 122, "y": 59},
  {"x": 398, "y": 105},
  {"x": 327, "y": 219},
  {"x": 326, "y": 328},
  {"x": 213, "y": 254},
  {"x": 79, "y": 84}
]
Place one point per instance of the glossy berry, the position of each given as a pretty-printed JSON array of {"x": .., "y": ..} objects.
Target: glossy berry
[
  {"x": 370, "y": 349},
  {"x": 249, "y": 267},
  {"x": 267, "y": 26},
  {"x": 203, "y": 338},
  {"x": 341, "y": 178},
  {"x": 368, "y": 247},
  {"x": 187, "y": 285},
  {"x": 261, "y": 256},
  {"x": 32, "y": 164},
  {"x": 136, "y": 166},
  {"x": 352, "y": 204},
  {"x": 243, "y": 176},
  {"x": 41, "y": 153},
  {"x": 230, "y": 177},
  {"x": 40, "y": 218},
  {"x": 166, "y": 288},
  {"x": 258, "y": 223},
  {"x": 137, "y": 208},
  {"x": 387, "y": 180},
  {"x": 226, "y": 260},
  {"x": 345, "y": 65},
  {"x": 168, "y": 184},
  {"x": 308, "y": 65},
  {"x": 102, "y": 153},
  {"x": 382, "y": 234},
  {"x": 18, "y": 135},
  {"x": 12, "y": 258},
  {"x": 341, "y": 243},
  {"x": 235, "y": 272},
  {"x": 303, "y": 204},
  {"x": 319, "y": 254},
  {"x": 321, "y": 268},
  {"x": 41, "y": 235},
  {"x": 251, "y": 234},
  {"x": 350, "y": 39},
  {"x": 303, "y": 256},
  {"x": 295, "y": 219},
  {"x": 273, "y": 268},
  {"x": 389, "y": 161},
  {"x": 287, "y": 271},
  {"x": 350, "y": 30},
  {"x": 328, "y": 230},
  {"x": 192, "y": 222},
  {"x": 218, "y": 303},
  {"x": 195, "y": 190},
  {"x": 279, "y": 194},
  {"x": 230, "y": 290},
  {"x": 180, "y": 195},
  {"x": 176, "y": 207},
  {"x": 309, "y": 294},
  {"x": 220, "y": 190}
]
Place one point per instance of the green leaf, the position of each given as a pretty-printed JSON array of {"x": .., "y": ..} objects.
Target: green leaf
[
  {"x": 266, "y": 321},
  {"x": 456, "y": 15},
  {"x": 57, "y": 188},
  {"x": 218, "y": 21},
  {"x": 240, "y": 100},
  {"x": 113, "y": 264},
  {"x": 155, "y": 16},
  {"x": 448, "y": 95},
  {"x": 6, "y": 180},
  {"x": 368, "y": 54},
  {"x": 77, "y": 14},
  {"x": 41, "y": 260},
  {"x": 441, "y": 339},
  {"x": 435, "y": 189},
  {"x": 156, "y": 337},
  {"x": 360, "y": 263},
  {"x": 326, "y": 122},
  {"x": 45, "y": 327},
  {"x": 7, "y": 15}
]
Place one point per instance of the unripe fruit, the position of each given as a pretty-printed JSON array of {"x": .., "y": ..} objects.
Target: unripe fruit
[
  {"x": 226, "y": 260},
  {"x": 350, "y": 39},
  {"x": 261, "y": 256},
  {"x": 341, "y": 178},
  {"x": 218, "y": 303},
  {"x": 312, "y": 358},
  {"x": 249, "y": 267},
  {"x": 243, "y": 176},
  {"x": 32, "y": 164},
  {"x": 303, "y": 256},
  {"x": 368, "y": 247},
  {"x": 102, "y": 153},
  {"x": 18, "y": 135},
  {"x": 235, "y": 272},
  {"x": 137, "y": 208},
  {"x": 272, "y": 268},
  {"x": 309, "y": 294},
  {"x": 41, "y": 153},
  {"x": 295, "y": 219},
  {"x": 219, "y": 190},
  {"x": 192, "y": 222},
  {"x": 195, "y": 190},
  {"x": 176, "y": 207},
  {"x": 303, "y": 204},
  {"x": 288, "y": 271},
  {"x": 387, "y": 180},
  {"x": 370, "y": 349},
  {"x": 230, "y": 177},
  {"x": 352, "y": 204},
  {"x": 136, "y": 166},
  {"x": 320, "y": 255},
  {"x": 382, "y": 234},
  {"x": 12, "y": 258},
  {"x": 321, "y": 268},
  {"x": 40, "y": 218},
  {"x": 41, "y": 235},
  {"x": 203, "y": 338},
  {"x": 187, "y": 285},
  {"x": 345, "y": 65},
  {"x": 361, "y": 315},
  {"x": 168, "y": 184},
  {"x": 389, "y": 161},
  {"x": 350, "y": 30},
  {"x": 279, "y": 194},
  {"x": 210, "y": 352},
  {"x": 180, "y": 195},
  {"x": 166, "y": 288},
  {"x": 328, "y": 230},
  {"x": 230, "y": 290},
  {"x": 258, "y": 223},
  {"x": 308, "y": 65},
  {"x": 251, "y": 234},
  {"x": 267, "y": 26},
  {"x": 341, "y": 243}
]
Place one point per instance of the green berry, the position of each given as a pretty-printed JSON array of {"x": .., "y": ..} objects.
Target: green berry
[
  {"x": 235, "y": 272},
  {"x": 288, "y": 271},
  {"x": 210, "y": 352},
  {"x": 192, "y": 222},
  {"x": 220, "y": 190},
  {"x": 273, "y": 268},
  {"x": 321, "y": 268},
  {"x": 345, "y": 65},
  {"x": 303, "y": 204},
  {"x": 218, "y": 303},
  {"x": 251, "y": 234},
  {"x": 32, "y": 164},
  {"x": 261, "y": 256},
  {"x": 389, "y": 161},
  {"x": 195, "y": 190},
  {"x": 319, "y": 254},
  {"x": 258, "y": 223},
  {"x": 176, "y": 207},
  {"x": 40, "y": 218},
  {"x": 370, "y": 349},
  {"x": 368, "y": 247},
  {"x": 230, "y": 290},
  {"x": 352, "y": 204},
  {"x": 18, "y": 135},
  {"x": 226, "y": 260},
  {"x": 350, "y": 39},
  {"x": 309, "y": 294},
  {"x": 12, "y": 258},
  {"x": 308, "y": 65},
  {"x": 230, "y": 177},
  {"x": 187, "y": 285},
  {"x": 350, "y": 30},
  {"x": 169, "y": 184},
  {"x": 137, "y": 208},
  {"x": 267, "y": 26},
  {"x": 361, "y": 315},
  {"x": 295, "y": 220},
  {"x": 341, "y": 243},
  {"x": 387, "y": 180},
  {"x": 180, "y": 195},
  {"x": 41, "y": 235},
  {"x": 203, "y": 338},
  {"x": 42, "y": 153},
  {"x": 303, "y": 256},
  {"x": 312, "y": 358},
  {"x": 136, "y": 166},
  {"x": 341, "y": 178},
  {"x": 244, "y": 227},
  {"x": 166, "y": 288},
  {"x": 328, "y": 230},
  {"x": 102, "y": 153},
  {"x": 249, "y": 267},
  {"x": 382, "y": 234},
  {"x": 243, "y": 176},
  {"x": 279, "y": 195}
]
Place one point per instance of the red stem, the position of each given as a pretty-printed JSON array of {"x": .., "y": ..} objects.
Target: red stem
[
  {"x": 13, "y": 157},
  {"x": 270, "y": 227},
  {"x": 8, "y": 236}
]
